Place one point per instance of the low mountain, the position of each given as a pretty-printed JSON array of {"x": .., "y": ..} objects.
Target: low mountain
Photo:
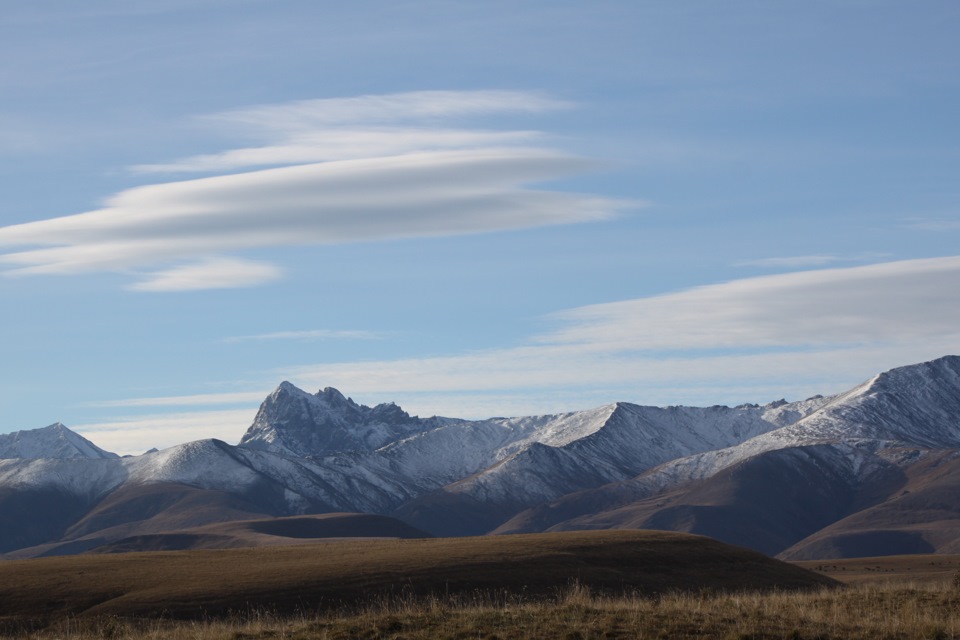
[
  {"x": 922, "y": 515},
  {"x": 54, "y": 441}
]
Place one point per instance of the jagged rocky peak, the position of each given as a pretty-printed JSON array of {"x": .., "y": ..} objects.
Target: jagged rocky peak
[
  {"x": 389, "y": 412},
  {"x": 53, "y": 441},
  {"x": 293, "y": 421}
]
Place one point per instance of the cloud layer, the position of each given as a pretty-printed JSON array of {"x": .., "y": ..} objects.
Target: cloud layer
[
  {"x": 797, "y": 331},
  {"x": 748, "y": 340},
  {"x": 392, "y": 182}
]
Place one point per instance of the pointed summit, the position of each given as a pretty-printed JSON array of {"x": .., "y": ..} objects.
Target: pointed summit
[
  {"x": 52, "y": 441},
  {"x": 294, "y": 422}
]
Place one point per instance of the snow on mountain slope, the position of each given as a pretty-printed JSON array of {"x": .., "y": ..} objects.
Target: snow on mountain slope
[
  {"x": 916, "y": 405},
  {"x": 895, "y": 418},
  {"x": 294, "y": 422},
  {"x": 630, "y": 440},
  {"x": 912, "y": 406},
  {"x": 54, "y": 441},
  {"x": 208, "y": 464},
  {"x": 310, "y": 453},
  {"x": 82, "y": 477},
  {"x": 383, "y": 457},
  {"x": 459, "y": 449},
  {"x": 633, "y": 439}
]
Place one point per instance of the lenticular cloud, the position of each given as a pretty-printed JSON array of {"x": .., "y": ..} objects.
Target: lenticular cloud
[{"x": 407, "y": 176}]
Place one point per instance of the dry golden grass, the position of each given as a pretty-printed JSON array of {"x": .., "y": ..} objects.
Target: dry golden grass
[
  {"x": 933, "y": 568},
  {"x": 688, "y": 587},
  {"x": 882, "y": 611},
  {"x": 201, "y": 584}
]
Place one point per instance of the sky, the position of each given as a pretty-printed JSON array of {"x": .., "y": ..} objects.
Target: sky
[{"x": 469, "y": 209}]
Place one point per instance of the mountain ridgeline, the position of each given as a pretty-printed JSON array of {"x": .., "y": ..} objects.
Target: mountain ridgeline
[{"x": 871, "y": 471}]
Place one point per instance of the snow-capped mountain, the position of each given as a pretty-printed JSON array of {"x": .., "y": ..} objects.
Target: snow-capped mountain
[
  {"x": 294, "y": 422},
  {"x": 629, "y": 440},
  {"x": 54, "y": 441},
  {"x": 773, "y": 477},
  {"x": 873, "y": 441}
]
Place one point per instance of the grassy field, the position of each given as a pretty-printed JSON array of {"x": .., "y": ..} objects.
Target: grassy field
[
  {"x": 920, "y": 569},
  {"x": 887, "y": 611},
  {"x": 209, "y": 583},
  {"x": 579, "y": 585}
]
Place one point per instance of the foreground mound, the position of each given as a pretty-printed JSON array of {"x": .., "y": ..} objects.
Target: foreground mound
[{"x": 202, "y": 583}]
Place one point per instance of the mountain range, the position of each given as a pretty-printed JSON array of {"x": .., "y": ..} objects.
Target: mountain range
[{"x": 872, "y": 471}]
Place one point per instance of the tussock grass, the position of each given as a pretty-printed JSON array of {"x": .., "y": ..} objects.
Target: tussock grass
[{"x": 889, "y": 611}]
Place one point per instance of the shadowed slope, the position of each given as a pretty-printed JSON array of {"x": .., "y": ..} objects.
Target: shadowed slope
[{"x": 922, "y": 517}]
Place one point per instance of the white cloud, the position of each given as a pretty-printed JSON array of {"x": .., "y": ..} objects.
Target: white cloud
[
  {"x": 211, "y": 273},
  {"x": 309, "y": 115},
  {"x": 856, "y": 305},
  {"x": 341, "y": 144},
  {"x": 798, "y": 332},
  {"x": 798, "y": 262},
  {"x": 136, "y": 434},
  {"x": 416, "y": 195},
  {"x": 388, "y": 182},
  {"x": 361, "y": 127},
  {"x": 750, "y": 340},
  {"x": 200, "y": 399}
]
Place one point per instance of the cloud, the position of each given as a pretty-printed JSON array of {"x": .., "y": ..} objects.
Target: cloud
[
  {"x": 312, "y": 334},
  {"x": 360, "y": 127},
  {"x": 874, "y": 303},
  {"x": 794, "y": 332},
  {"x": 136, "y": 434},
  {"x": 341, "y": 144},
  {"x": 410, "y": 106},
  {"x": 211, "y": 273},
  {"x": 798, "y": 262},
  {"x": 200, "y": 399},
  {"x": 459, "y": 184},
  {"x": 750, "y": 340}
]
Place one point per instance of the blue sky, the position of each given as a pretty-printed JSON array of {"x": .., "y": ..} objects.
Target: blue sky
[{"x": 471, "y": 209}]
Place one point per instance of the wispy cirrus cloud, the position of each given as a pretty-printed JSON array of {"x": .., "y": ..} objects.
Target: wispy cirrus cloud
[
  {"x": 748, "y": 340},
  {"x": 194, "y": 400},
  {"x": 398, "y": 185},
  {"x": 211, "y": 273},
  {"x": 796, "y": 331},
  {"x": 818, "y": 260}
]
